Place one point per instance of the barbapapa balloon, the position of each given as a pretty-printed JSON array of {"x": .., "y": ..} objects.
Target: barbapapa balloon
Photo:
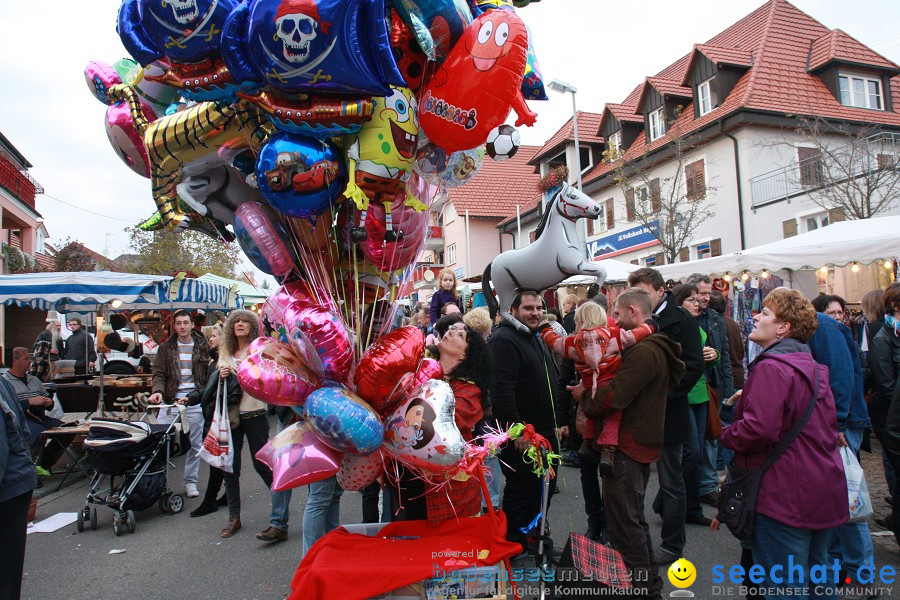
[{"x": 479, "y": 83}]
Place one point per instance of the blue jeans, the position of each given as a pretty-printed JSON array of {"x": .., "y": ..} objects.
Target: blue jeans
[
  {"x": 692, "y": 454},
  {"x": 281, "y": 501},
  {"x": 775, "y": 543},
  {"x": 322, "y": 513},
  {"x": 670, "y": 502},
  {"x": 494, "y": 481},
  {"x": 851, "y": 542},
  {"x": 709, "y": 478}
]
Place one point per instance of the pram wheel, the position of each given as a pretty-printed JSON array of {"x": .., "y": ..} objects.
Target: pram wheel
[
  {"x": 176, "y": 503},
  {"x": 79, "y": 522},
  {"x": 130, "y": 521},
  {"x": 118, "y": 526},
  {"x": 164, "y": 503},
  {"x": 93, "y": 518}
]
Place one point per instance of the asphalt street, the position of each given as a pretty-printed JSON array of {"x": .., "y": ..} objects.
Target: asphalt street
[{"x": 178, "y": 557}]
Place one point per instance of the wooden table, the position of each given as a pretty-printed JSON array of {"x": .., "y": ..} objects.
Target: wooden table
[{"x": 83, "y": 397}]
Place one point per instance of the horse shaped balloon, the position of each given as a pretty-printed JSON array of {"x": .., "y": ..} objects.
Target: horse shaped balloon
[{"x": 554, "y": 255}]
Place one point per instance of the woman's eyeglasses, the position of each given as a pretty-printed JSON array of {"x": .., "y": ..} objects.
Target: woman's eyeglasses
[{"x": 692, "y": 300}]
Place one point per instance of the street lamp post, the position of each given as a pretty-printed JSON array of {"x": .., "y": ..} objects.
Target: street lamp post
[{"x": 565, "y": 88}]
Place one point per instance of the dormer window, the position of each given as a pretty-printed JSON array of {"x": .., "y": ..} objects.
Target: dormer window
[
  {"x": 704, "y": 97},
  {"x": 615, "y": 142},
  {"x": 657, "y": 120},
  {"x": 860, "y": 91}
]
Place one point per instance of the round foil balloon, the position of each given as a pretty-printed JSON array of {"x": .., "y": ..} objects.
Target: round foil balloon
[
  {"x": 385, "y": 364},
  {"x": 344, "y": 421},
  {"x": 262, "y": 239},
  {"x": 462, "y": 166},
  {"x": 422, "y": 431},
  {"x": 298, "y": 456},
  {"x": 299, "y": 176},
  {"x": 273, "y": 373},
  {"x": 358, "y": 472}
]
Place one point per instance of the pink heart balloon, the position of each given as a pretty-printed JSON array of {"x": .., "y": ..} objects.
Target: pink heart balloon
[
  {"x": 297, "y": 456},
  {"x": 273, "y": 373},
  {"x": 358, "y": 472},
  {"x": 422, "y": 431}
]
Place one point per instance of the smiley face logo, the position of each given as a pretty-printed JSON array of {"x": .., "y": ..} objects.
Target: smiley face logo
[{"x": 682, "y": 573}]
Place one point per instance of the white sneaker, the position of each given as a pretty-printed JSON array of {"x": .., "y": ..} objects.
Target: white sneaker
[{"x": 190, "y": 490}]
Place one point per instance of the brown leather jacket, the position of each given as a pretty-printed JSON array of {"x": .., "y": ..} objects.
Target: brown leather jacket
[{"x": 166, "y": 369}]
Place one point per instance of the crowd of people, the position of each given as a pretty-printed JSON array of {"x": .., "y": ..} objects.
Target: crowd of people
[{"x": 661, "y": 377}]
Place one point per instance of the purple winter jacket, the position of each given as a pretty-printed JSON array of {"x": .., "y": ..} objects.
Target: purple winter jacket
[{"x": 805, "y": 488}]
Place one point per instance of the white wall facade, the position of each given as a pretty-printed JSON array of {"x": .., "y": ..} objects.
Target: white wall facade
[{"x": 760, "y": 151}]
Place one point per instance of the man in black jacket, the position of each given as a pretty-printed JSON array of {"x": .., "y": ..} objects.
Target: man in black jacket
[
  {"x": 80, "y": 347},
  {"x": 676, "y": 323},
  {"x": 525, "y": 386}
]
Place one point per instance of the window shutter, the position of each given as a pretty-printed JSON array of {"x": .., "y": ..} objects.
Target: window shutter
[
  {"x": 610, "y": 214},
  {"x": 660, "y": 258},
  {"x": 636, "y": 262},
  {"x": 531, "y": 235},
  {"x": 629, "y": 204},
  {"x": 654, "y": 195},
  {"x": 715, "y": 247},
  {"x": 789, "y": 228},
  {"x": 811, "y": 168},
  {"x": 689, "y": 181},
  {"x": 699, "y": 179},
  {"x": 836, "y": 214},
  {"x": 684, "y": 255}
]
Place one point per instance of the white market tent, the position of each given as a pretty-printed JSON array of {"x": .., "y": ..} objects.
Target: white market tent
[
  {"x": 250, "y": 293},
  {"x": 839, "y": 244},
  {"x": 85, "y": 291}
]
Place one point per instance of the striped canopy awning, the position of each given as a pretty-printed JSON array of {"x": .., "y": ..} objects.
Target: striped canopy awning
[{"x": 85, "y": 291}]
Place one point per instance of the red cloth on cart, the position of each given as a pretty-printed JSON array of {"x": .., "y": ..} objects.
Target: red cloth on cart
[{"x": 349, "y": 566}]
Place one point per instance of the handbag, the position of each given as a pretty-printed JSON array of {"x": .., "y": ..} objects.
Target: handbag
[
  {"x": 739, "y": 491},
  {"x": 218, "y": 449},
  {"x": 713, "y": 421},
  {"x": 857, "y": 490}
]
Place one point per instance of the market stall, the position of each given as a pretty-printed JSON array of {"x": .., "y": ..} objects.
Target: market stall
[
  {"x": 797, "y": 259},
  {"x": 100, "y": 292}
]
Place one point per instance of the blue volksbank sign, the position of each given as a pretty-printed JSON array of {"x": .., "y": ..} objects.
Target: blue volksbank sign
[{"x": 617, "y": 243}]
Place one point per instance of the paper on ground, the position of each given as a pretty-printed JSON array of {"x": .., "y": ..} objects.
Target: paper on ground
[{"x": 53, "y": 523}]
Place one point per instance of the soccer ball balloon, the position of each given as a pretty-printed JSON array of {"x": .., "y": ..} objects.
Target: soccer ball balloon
[{"x": 503, "y": 142}]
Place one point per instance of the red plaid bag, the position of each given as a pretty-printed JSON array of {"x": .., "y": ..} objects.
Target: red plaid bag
[{"x": 595, "y": 562}]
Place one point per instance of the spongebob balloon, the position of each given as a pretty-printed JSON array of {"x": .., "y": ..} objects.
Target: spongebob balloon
[{"x": 381, "y": 158}]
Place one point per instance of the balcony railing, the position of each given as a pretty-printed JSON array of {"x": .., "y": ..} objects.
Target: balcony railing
[
  {"x": 18, "y": 181},
  {"x": 877, "y": 152}
]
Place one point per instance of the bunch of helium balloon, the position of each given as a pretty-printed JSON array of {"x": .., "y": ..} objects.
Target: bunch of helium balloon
[{"x": 318, "y": 133}]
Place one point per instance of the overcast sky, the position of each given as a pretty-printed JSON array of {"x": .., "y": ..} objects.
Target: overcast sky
[{"x": 602, "y": 47}]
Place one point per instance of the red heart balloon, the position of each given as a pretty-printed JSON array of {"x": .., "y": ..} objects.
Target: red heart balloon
[
  {"x": 429, "y": 369},
  {"x": 384, "y": 366}
]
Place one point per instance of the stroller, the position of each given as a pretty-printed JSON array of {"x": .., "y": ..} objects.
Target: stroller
[{"x": 134, "y": 455}]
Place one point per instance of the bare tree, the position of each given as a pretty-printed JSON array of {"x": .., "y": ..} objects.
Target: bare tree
[
  {"x": 847, "y": 167},
  {"x": 671, "y": 208}
]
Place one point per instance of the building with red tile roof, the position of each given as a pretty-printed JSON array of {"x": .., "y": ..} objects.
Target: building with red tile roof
[{"x": 737, "y": 101}]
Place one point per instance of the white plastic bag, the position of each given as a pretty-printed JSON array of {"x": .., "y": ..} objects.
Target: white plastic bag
[
  {"x": 57, "y": 411},
  {"x": 218, "y": 449},
  {"x": 857, "y": 490}
]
